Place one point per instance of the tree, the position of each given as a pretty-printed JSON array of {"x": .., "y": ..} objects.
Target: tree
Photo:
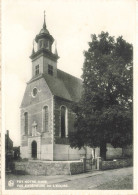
[{"x": 104, "y": 113}]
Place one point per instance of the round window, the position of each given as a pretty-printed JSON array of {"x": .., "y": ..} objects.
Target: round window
[{"x": 34, "y": 92}]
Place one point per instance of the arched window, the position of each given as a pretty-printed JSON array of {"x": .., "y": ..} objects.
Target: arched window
[
  {"x": 26, "y": 123},
  {"x": 45, "y": 118},
  {"x": 64, "y": 121}
]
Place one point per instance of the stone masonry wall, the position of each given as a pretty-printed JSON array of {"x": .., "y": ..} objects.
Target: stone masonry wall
[
  {"x": 43, "y": 168},
  {"x": 116, "y": 164},
  {"x": 76, "y": 168},
  {"x": 49, "y": 167}
]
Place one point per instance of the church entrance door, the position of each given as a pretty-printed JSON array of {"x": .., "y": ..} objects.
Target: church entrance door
[{"x": 34, "y": 149}]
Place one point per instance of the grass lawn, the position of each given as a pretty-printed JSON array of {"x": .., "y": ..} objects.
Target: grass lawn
[{"x": 125, "y": 183}]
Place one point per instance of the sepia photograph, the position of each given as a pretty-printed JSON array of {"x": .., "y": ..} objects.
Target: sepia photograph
[{"x": 67, "y": 97}]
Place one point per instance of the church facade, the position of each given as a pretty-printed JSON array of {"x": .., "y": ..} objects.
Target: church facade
[{"x": 46, "y": 115}]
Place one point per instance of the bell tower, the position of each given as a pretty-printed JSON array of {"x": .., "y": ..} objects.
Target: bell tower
[{"x": 44, "y": 61}]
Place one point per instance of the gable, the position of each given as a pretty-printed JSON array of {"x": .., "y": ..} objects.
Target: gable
[
  {"x": 64, "y": 85},
  {"x": 43, "y": 92}
]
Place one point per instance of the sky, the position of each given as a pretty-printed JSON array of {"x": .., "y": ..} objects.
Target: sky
[{"x": 71, "y": 23}]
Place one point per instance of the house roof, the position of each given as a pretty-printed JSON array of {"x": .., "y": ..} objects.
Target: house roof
[{"x": 65, "y": 86}]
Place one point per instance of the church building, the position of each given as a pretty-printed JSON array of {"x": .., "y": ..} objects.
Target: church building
[{"x": 46, "y": 115}]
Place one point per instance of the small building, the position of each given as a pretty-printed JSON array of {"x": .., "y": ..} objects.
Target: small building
[
  {"x": 8, "y": 148},
  {"x": 16, "y": 152},
  {"x": 8, "y": 144}
]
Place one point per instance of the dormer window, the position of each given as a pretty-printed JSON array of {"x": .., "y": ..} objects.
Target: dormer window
[
  {"x": 36, "y": 69},
  {"x": 50, "y": 69}
]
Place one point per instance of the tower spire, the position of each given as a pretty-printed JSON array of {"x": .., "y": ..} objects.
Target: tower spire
[
  {"x": 33, "y": 48},
  {"x": 44, "y": 25},
  {"x": 56, "y": 53}
]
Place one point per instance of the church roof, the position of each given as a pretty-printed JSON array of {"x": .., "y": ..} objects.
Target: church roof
[{"x": 65, "y": 86}]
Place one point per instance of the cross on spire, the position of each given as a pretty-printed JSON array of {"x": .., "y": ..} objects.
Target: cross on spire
[{"x": 44, "y": 25}]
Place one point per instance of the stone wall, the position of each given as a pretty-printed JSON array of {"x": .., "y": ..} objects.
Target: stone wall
[
  {"x": 76, "y": 168},
  {"x": 49, "y": 167},
  {"x": 116, "y": 164}
]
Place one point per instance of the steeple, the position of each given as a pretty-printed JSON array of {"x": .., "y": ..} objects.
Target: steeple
[
  {"x": 33, "y": 51},
  {"x": 44, "y": 25},
  {"x": 44, "y": 61},
  {"x": 44, "y": 42},
  {"x": 56, "y": 53}
]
